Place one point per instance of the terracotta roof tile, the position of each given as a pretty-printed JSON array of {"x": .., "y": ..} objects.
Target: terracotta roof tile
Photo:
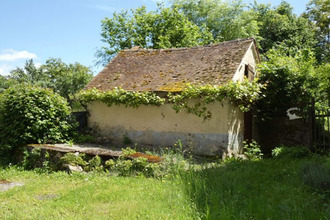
[{"x": 170, "y": 69}]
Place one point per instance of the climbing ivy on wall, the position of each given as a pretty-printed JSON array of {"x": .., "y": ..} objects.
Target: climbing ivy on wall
[
  {"x": 242, "y": 94},
  {"x": 193, "y": 99},
  {"x": 120, "y": 96}
]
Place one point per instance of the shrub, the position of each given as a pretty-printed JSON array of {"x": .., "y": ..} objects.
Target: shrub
[
  {"x": 135, "y": 167},
  {"x": 290, "y": 152},
  {"x": 33, "y": 159},
  {"x": 33, "y": 115},
  {"x": 127, "y": 151},
  {"x": 121, "y": 167},
  {"x": 95, "y": 164},
  {"x": 252, "y": 150},
  {"x": 73, "y": 159}
]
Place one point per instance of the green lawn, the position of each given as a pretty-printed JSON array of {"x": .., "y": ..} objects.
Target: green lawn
[
  {"x": 88, "y": 196},
  {"x": 265, "y": 189}
]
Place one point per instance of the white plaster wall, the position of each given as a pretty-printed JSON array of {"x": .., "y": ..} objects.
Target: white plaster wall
[
  {"x": 236, "y": 117},
  {"x": 235, "y": 130},
  {"x": 162, "y": 118},
  {"x": 249, "y": 58},
  {"x": 162, "y": 126}
]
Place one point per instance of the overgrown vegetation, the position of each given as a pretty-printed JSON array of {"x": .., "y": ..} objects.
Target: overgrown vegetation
[
  {"x": 130, "y": 164},
  {"x": 288, "y": 187},
  {"x": 119, "y": 96},
  {"x": 32, "y": 115},
  {"x": 264, "y": 189},
  {"x": 252, "y": 150},
  {"x": 317, "y": 176},
  {"x": 292, "y": 47},
  {"x": 242, "y": 94},
  {"x": 36, "y": 159},
  {"x": 290, "y": 152},
  {"x": 291, "y": 81},
  {"x": 294, "y": 184},
  {"x": 64, "y": 79}
]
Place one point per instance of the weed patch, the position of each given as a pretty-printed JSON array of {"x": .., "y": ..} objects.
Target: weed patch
[
  {"x": 317, "y": 176},
  {"x": 264, "y": 189}
]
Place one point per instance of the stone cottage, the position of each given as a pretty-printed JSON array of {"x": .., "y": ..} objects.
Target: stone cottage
[{"x": 168, "y": 70}]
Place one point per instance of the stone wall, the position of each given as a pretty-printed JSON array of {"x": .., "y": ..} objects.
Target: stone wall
[{"x": 282, "y": 131}]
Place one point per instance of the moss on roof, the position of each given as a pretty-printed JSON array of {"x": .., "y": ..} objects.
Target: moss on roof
[{"x": 170, "y": 69}]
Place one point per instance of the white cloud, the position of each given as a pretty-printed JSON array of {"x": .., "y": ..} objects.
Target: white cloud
[
  {"x": 5, "y": 69},
  {"x": 13, "y": 55},
  {"x": 37, "y": 65}
]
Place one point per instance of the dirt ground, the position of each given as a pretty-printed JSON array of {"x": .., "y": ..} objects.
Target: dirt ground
[{"x": 6, "y": 185}]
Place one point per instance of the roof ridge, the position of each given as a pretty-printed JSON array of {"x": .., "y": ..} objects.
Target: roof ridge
[{"x": 135, "y": 49}]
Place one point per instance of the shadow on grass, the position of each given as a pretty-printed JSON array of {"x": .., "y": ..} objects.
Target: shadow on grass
[{"x": 265, "y": 189}]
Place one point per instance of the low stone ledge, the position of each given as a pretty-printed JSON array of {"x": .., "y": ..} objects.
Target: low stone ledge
[{"x": 86, "y": 149}]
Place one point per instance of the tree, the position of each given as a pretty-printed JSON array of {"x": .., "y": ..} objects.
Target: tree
[
  {"x": 29, "y": 74},
  {"x": 189, "y": 23},
  {"x": 281, "y": 25},
  {"x": 290, "y": 79},
  {"x": 318, "y": 11},
  {"x": 322, "y": 72},
  {"x": 64, "y": 79},
  {"x": 164, "y": 28},
  {"x": 4, "y": 83},
  {"x": 227, "y": 20}
]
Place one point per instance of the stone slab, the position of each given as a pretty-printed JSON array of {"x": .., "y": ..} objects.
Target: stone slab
[{"x": 90, "y": 149}]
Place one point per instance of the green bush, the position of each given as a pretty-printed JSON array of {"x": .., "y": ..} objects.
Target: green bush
[
  {"x": 121, "y": 167},
  {"x": 39, "y": 160},
  {"x": 32, "y": 159},
  {"x": 252, "y": 150},
  {"x": 33, "y": 115},
  {"x": 290, "y": 152},
  {"x": 95, "y": 164},
  {"x": 135, "y": 167},
  {"x": 73, "y": 159}
]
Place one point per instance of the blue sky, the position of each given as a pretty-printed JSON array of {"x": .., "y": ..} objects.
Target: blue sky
[{"x": 66, "y": 29}]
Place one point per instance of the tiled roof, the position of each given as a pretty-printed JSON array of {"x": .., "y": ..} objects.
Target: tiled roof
[{"x": 170, "y": 69}]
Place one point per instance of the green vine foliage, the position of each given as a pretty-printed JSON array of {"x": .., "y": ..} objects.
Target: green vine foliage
[
  {"x": 242, "y": 94},
  {"x": 119, "y": 96}
]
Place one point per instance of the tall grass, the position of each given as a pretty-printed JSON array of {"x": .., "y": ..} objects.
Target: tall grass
[{"x": 264, "y": 189}]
